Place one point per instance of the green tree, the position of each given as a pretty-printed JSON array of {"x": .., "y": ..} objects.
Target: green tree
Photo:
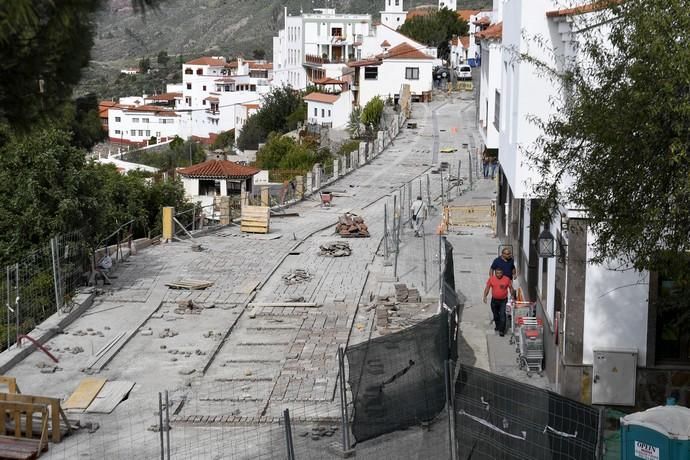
[
  {"x": 282, "y": 109},
  {"x": 144, "y": 65},
  {"x": 436, "y": 29},
  {"x": 252, "y": 134},
  {"x": 225, "y": 140},
  {"x": 259, "y": 53},
  {"x": 282, "y": 152},
  {"x": 162, "y": 59},
  {"x": 371, "y": 116},
  {"x": 621, "y": 137},
  {"x": 354, "y": 123},
  {"x": 44, "y": 46}
]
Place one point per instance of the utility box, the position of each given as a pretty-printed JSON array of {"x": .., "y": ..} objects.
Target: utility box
[
  {"x": 614, "y": 376},
  {"x": 659, "y": 433}
]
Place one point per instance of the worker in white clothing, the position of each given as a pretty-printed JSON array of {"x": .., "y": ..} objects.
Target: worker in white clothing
[{"x": 418, "y": 214}]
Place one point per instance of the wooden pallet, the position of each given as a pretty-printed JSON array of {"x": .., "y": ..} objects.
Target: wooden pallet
[
  {"x": 255, "y": 219},
  {"x": 192, "y": 285}
]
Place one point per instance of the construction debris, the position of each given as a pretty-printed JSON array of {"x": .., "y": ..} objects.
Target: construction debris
[
  {"x": 297, "y": 276},
  {"x": 187, "y": 307},
  {"x": 351, "y": 226},
  {"x": 335, "y": 249},
  {"x": 192, "y": 285},
  {"x": 405, "y": 294}
]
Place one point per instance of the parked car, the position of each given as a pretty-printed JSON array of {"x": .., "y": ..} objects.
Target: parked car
[
  {"x": 441, "y": 73},
  {"x": 463, "y": 72}
]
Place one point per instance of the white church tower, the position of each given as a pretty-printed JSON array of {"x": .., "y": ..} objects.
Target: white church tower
[
  {"x": 450, "y": 4},
  {"x": 394, "y": 15}
]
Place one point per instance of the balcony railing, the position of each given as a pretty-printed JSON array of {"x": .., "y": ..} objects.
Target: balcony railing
[{"x": 311, "y": 59}]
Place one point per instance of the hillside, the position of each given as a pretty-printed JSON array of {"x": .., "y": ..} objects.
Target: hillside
[{"x": 218, "y": 27}]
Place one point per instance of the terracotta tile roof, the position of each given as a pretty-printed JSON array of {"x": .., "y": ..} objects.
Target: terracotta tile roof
[
  {"x": 155, "y": 109},
  {"x": 420, "y": 11},
  {"x": 322, "y": 97},
  {"x": 205, "y": 60},
  {"x": 260, "y": 65},
  {"x": 211, "y": 99},
  {"x": 483, "y": 21},
  {"x": 164, "y": 97},
  {"x": 364, "y": 62},
  {"x": 494, "y": 31},
  {"x": 103, "y": 107},
  {"x": 222, "y": 169},
  {"x": 583, "y": 9},
  {"x": 405, "y": 51},
  {"x": 329, "y": 81},
  {"x": 251, "y": 106},
  {"x": 465, "y": 41},
  {"x": 385, "y": 44},
  {"x": 465, "y": 14}
]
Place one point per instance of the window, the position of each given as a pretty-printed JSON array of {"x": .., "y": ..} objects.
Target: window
[
  {"x": 411, "y": 73},
  {"x": 144, "y": 120},
  {"x": 371, "y": 73},
  {"x": 158, "y": 134},
  {"x": 203, "y": 102},
  {"x": 497, "y": 111},
  {"x": 672, "y": 331},
  {"x": 148, "y": 133},
  {"x": 188, "y": 71},
  {"x": 189, "y": 86},
  {"x": 226, "y": 88},
  {"x": 199, "y": 71},
  {"x": 188, "y": 100},
  {"x": 141, "y": 132},
  {"x": 397, "y": 2},
  {"x": 117, "y": 131},
  {"x": 204, "y": 87},
  {"x": 117, "y": 119},
  {"x": 337, "y": 32},
  {"x": 329, "y": 113},
  {"x": 134, "y": 132},
  {"x": 316, "y": 112},
  {"x": 135, "y": 120},
  {"x": 323, "y": 113}
]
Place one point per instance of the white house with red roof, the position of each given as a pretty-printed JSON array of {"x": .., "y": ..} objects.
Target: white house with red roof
[
  {"x": 137, "y": 124},
  {"x": 212, "y": 88},
  {"x": 330, "y": 110},
  {"x": 205, "y": 181},
  {"x": 383, "y": 75}
]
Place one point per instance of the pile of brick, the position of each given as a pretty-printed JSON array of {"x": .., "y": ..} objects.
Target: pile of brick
[
  {"x": 296, "y": 276},
  {"x": 335, "y": 249},
  {"x": 351, "y": 226},
  {"x": 405, "y": 294}
]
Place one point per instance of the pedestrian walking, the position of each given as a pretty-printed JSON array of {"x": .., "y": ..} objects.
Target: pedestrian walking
[
  {"x": 499, "y": 286},
  {"x": 494, "y": 167},
  {"x": 486, "y": 165},
  {"x": 506, "y": 263},
  {"x": 418, "y": 213}
]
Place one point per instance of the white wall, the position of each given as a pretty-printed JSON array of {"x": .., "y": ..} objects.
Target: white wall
[
  {"x": 371, "y": 44},
  {"x": 616, "y": 310},
  {"x": 490, "y": 83},
  {"x": 526, "y": 92},
  {"x": 150, "y": 124},
  {"x": 337, "y": 113},
  {"x": 391, "y": 77}
]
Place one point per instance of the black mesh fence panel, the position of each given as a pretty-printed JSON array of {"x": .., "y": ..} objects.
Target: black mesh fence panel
[
  {"x": 499, "y": 418},
  {"x": 397, "y": 381}
]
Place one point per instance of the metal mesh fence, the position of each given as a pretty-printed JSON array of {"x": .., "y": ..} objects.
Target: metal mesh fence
[
  {"x": 501, "y": 418},
  {"x": 40, "y": 284}
]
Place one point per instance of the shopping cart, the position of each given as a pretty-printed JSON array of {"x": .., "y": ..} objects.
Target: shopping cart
[
  {"x": 518, "y": 309},
  {"x": 531, "y": 345}
]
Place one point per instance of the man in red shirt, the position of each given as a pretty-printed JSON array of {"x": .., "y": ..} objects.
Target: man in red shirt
[{"x": 500, "y": 286}]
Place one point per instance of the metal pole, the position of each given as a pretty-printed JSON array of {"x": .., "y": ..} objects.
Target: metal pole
[
  {"x": 167, "y": 422},
  {"x": 395, "y": 221},
  {"x": 469, "y": 157},
  {"x": 449, "y": 371},
  {"x": 56, "y": 278},
  {"x": 428, "y": 192},
  {"x": 426, "y": 288},
  {"x": 440, "y": 270},
  {"x": 288, "y": 435},
  {"x": 16, "y": 302},
  {"x": 385, "y": 231},
  {"x": 160, "y": 424},
  {"x": 343, "y": 400},
  {"x": 8, "y": 304},
  {"x": 459, "y": 177},
  {"x": 396, "y": 230},
  {"x": 194, "y": 217},
  {"x": 443, "y": 205},
  {"x": 601, "y": 445},
  {"x": 409, "y": 202}
]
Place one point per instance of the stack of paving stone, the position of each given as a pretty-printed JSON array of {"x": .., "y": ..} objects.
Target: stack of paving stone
[
  {"x": 296, "y": 277},
  {"x": 335, "y": 249},
  {"x": 405, "y": 294},
  {"x": 351, "y": 226}
]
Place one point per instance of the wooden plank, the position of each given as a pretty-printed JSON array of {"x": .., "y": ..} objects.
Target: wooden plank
[
  {"x": 84, "y": 394},
  {"x": 110, "y": 396},
  {"x": 11, "y": 383},
  {"x": 284, "y": 304}
]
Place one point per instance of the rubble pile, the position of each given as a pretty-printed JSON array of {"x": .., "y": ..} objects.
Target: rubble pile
[
  {"x": 351, "y": 226},
  {"x": 297, "y": 276},
  {"x": 405, "y": 294},
  {"x": 335, "y": 249}
]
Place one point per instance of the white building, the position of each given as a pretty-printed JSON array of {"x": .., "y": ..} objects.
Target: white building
[
  {"x": 212, "y": 88},
  {"x": 203, "y": 182},
  {"x": 459, "y": 51},
  {"x": 384, "y": 75},
  {"x": 382, "y": 38},
  {"x": 131, "y": 124},
  {"x": 329, "y": 110},
  {"x": 242, "y": 114},
  {"x": 449, "y": 4},
  {"x": 316, "y": 45},
  {"x": 490, "y": 89},
  {"x": 394, "y": 14},
  {"x": 587, "y": 308}
]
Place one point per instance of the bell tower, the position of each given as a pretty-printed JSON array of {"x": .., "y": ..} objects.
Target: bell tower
[
  {"x": 394, "y": 14},
  {"x": 450, "y": 4}
]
